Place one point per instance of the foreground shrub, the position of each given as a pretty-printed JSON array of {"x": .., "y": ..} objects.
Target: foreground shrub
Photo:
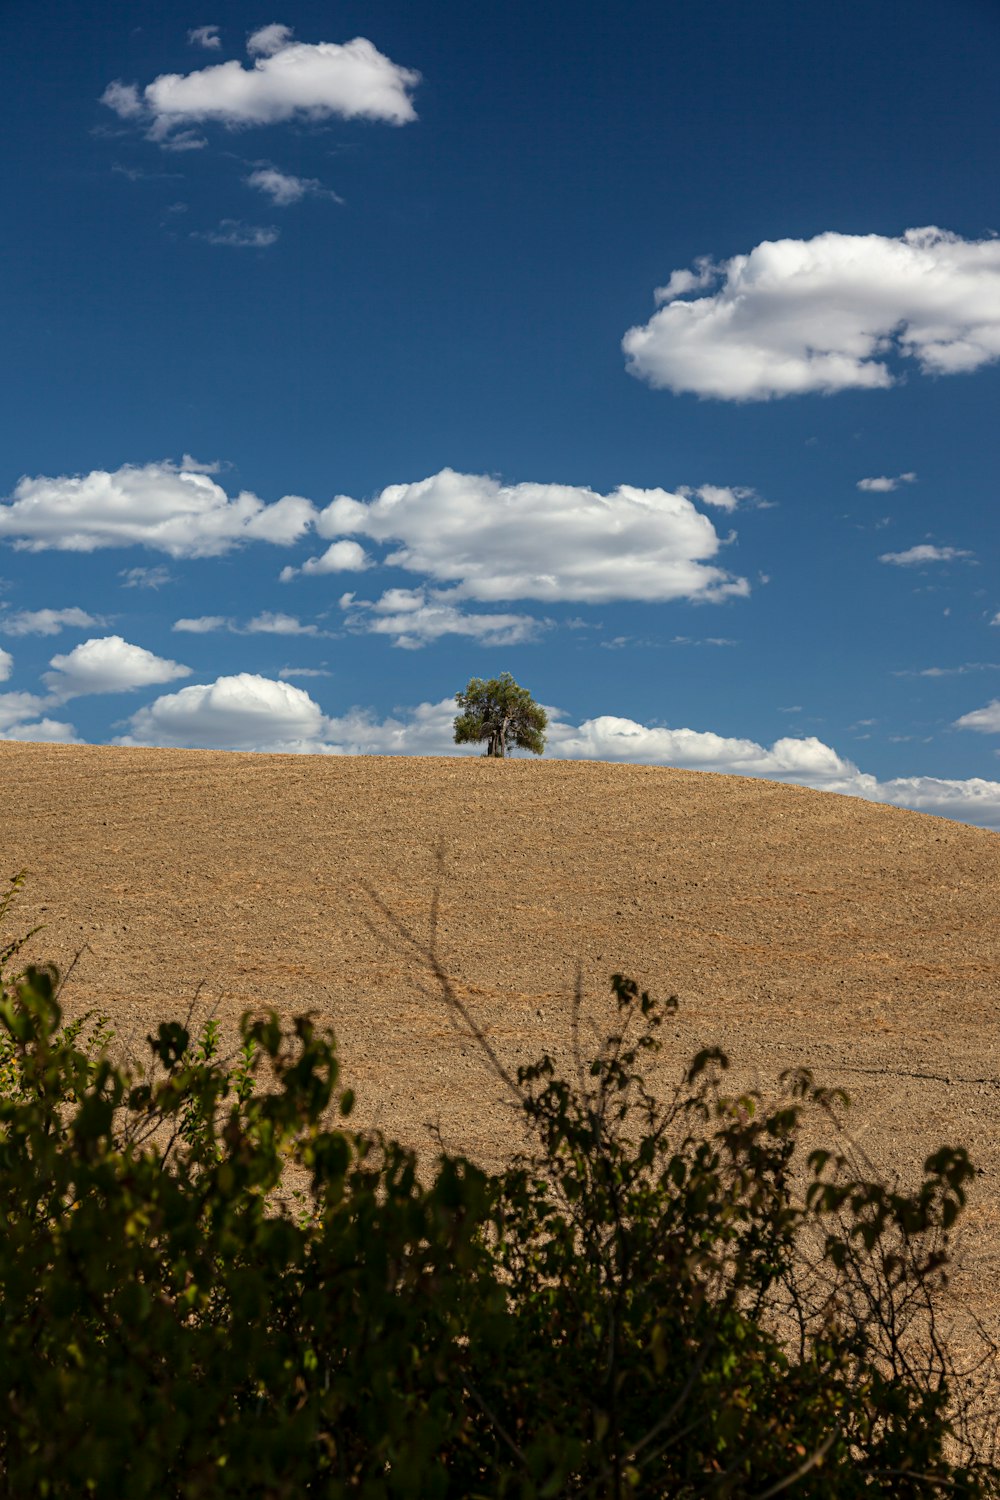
[{"x": 211, "y": 1286}]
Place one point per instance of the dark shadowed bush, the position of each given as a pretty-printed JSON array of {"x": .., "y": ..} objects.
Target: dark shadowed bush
[{"x": 211, "y": 1286}]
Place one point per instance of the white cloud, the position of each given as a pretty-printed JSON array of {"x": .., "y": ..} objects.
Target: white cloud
[
  {"x": 268, "y": 40},
  {"x": 174, "y": 508},
  {"x": 823, "y": 315},
  {"x": 885, "y": 483},
  {"x": 145, "y": 578},
  {"x": 282, "y": 188},
  {"x": 724, "y": 496},
  {"x": 269, "y": 622},
  {"x": 205, "y": 36},
  {"x": 986, "y": 720},
  {"x": 539, "y": 541},
  {"x": 339, "y": 557},
  {"x": 108, "y": 664},
  {"x": 19, "y": 721},
  {"x": 609, "y": 738},
  {"x": 6, "y": 664},
  {"x": 42, "y": 731},
  {"x": 287, "y": 672},
  {"x": 201, "y": 624},
  {"x": 124, "y": 99},
  {"x": 16, "y": 707},
  {"x": 924, "y": 553},
  {"x": 47, "y": 621},
  {"x": 414, "y": 619},
  {"x": 239, "y": 236},
  {"x": 971, "y": 801},
  {"x": 287, "y": 80},
  {"x": 245, "y": 712}
]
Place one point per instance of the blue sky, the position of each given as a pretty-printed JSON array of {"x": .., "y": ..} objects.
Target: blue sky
[{"x": 653, "y": 353}]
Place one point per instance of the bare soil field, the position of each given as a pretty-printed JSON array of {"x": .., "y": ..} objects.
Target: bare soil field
[{"x": 796, "y": 926}]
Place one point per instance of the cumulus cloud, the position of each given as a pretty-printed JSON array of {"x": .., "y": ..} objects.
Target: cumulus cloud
[
  {"x": 339, "y": 557},
  {"x": 244, "y": 712},
  {"x": 825, "y": 314},
  {"x": 286, "y": 80},
  {"x": 914, "y": 557},
  {"x": 414, "y": 619},
  {"x": 610, "y": 738},
  {"x": 249, "y": 712},
  {"x": 19, "y": 720},
  {"x": 17, "y": 707},
  {"x": 47, "y": 621},
  {"x": 6, "y": 664},
  {"x": 108, "y": 664},
  {"x": 283, "y": 188},
  {"x": 986, "y": 720},
  {"x": 553, "y": 542},
  {"x": 239, "y": 236},
  {"x": 205, "y": 36},
  {"x": 885, "y": 483},
  {"x": 174, "y": 508},
  {"x": 42, "y": 731}
]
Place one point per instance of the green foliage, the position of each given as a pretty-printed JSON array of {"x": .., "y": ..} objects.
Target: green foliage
[
  {"x": 210, "y": 1286},
  {"x": 501, "y": 713}
]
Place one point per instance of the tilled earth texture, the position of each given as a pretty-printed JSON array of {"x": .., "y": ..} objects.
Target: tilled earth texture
[{"x": 795, "y": 926}]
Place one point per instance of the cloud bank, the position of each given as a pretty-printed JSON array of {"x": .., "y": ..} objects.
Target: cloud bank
[
  {"x": 825, "y": 315},
  {"x": 552, "y": 542},
  {"x": 414, "y": 619},
  {"x": 285, "y": 80},
  {"x": 174, "y": 508}
]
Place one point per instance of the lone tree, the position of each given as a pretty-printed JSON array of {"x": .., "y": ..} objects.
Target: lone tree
[{"x": 501, "y": 713}]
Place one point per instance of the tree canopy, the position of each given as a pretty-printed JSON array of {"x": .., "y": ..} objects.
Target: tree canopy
[{"x": 502, "y": 713}]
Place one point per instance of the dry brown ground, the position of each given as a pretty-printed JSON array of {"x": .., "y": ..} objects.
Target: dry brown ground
[{"x": 796, "y": 926}]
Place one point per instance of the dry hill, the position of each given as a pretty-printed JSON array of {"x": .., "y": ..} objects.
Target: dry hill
[{"x": 796, "y": 926}]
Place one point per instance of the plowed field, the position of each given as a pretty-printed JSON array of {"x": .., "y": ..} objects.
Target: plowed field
[{"x": 796, "y": 926}]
